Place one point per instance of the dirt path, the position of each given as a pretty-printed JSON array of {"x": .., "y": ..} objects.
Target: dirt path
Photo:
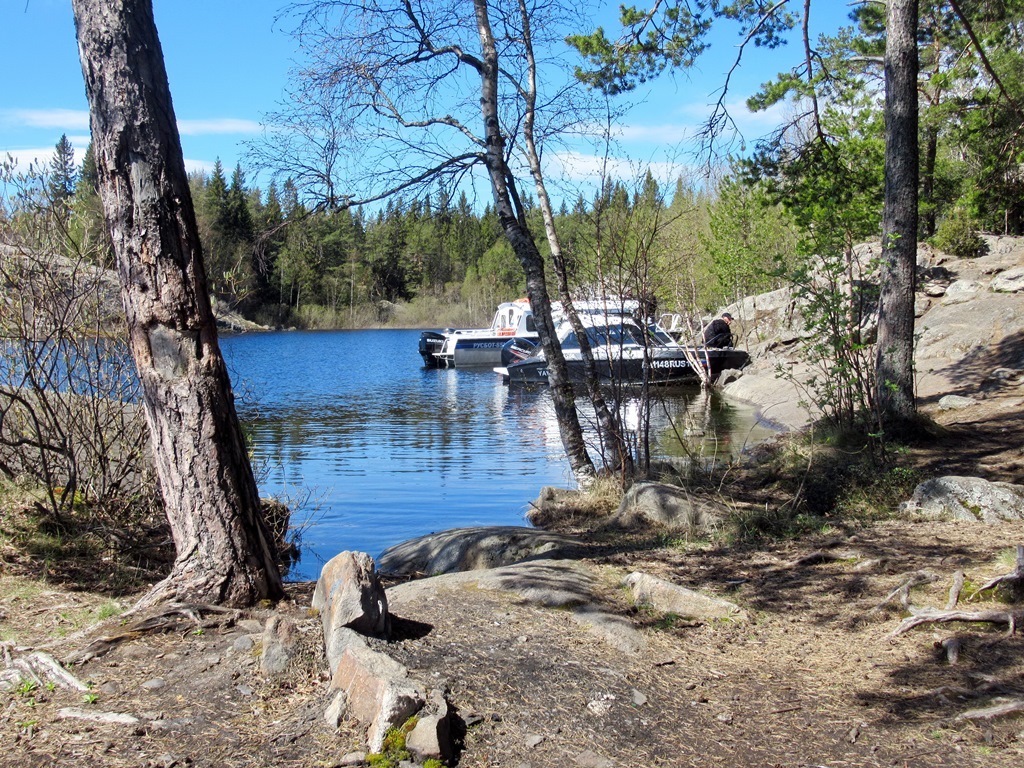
[{"x": 814, "y": 678}]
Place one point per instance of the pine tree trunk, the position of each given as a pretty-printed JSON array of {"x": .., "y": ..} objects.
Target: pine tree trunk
[
  {"x": 894, "y": 369},
  {"x": 224, "y": 554}
]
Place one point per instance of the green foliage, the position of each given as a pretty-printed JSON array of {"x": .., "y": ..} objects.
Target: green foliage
[{"x": 957, "y": 235}]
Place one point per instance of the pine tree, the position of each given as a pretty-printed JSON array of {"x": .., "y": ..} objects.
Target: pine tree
[{"x": 63, "y": 176}]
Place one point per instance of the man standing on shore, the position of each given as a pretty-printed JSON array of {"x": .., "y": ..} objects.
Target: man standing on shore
[{"x": 718, "y": 333}]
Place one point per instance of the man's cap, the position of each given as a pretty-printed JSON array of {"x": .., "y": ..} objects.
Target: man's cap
[{"x": 727, "y": 316}]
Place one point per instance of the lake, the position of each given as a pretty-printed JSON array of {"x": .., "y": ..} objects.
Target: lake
[{"x": 370, "y": 448}]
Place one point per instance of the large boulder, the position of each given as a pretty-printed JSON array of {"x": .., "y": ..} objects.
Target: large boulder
[
  {"x": 666, "y": 505},
  {"x": 1010, "y": 281},
  {"x": 373, "y": 689},
  {"x": 966, "y": 498},
  {"x": 471, "y": 549},
  {"x": 349, "y": 594}
]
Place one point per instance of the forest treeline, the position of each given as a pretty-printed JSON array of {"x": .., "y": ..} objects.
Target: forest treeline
[{"x": 811, "y": 190}]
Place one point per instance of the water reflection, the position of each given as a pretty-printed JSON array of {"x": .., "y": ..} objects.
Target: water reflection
[{"x": 392, "y": 450}]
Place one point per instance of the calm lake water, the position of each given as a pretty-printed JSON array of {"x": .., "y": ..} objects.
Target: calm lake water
[{"x": 373, "y": 449}]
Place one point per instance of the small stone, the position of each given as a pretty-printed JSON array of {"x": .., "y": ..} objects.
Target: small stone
[
  {"x": 155, "y": 684},
  {"x": 590, "y": 759},
  {"x": 534, "y": 740},
  {"x": 352, "y": 759},
  {"x": 244, "y": 643},
  {"x": 638, "y": 698}
]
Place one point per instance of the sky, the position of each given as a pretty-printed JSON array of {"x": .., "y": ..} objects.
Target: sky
[{"x": 228, "y": 61}]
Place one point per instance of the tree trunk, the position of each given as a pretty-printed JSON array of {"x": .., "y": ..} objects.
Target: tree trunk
[
  {"x": 609, "y": 422},
  {"x": 529, "y": 256},
  {"x": 224, "y": 553},
  {"x": 894, "y": 369}
]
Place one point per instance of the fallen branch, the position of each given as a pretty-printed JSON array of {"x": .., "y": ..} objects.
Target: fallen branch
[{"x": 934, "y": 616}]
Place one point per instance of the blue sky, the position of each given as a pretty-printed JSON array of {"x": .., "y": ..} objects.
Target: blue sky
[{"x": 228, "y": 61}]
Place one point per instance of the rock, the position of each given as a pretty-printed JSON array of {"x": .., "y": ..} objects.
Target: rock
[
  {"x": 589, "y": 759},
  {"x": 1001, "y": 377},
  {"x": 335, "y": 711},
  {"x": 666, "y": 597},
  {"x": 431, "y": 736},
  {"x": 349, "y": 594},
  {"x": 534, "y": 740},
  {"x": 666, "y": 505},
  {"x": 960, "y": 291},
  {"x": 468, "y": 549},
  {"x": 639, "y": 699},
  {"x": 956, "y": 402},
  {"x": 966, "y": 498},
  {"x": 280, "y": 640},
  {"x": 352, "y": 759},
  {"x": 1009, "y": 281},
  {"x": 379, "y": 693},
  {"x": 95, "y": 716}
]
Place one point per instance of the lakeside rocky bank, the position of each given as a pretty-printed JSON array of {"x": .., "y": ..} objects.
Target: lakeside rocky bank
[{"x": 631, "y": 636}]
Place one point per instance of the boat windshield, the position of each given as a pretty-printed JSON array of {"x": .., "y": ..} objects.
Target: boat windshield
[{"x": 617, "y": 335}]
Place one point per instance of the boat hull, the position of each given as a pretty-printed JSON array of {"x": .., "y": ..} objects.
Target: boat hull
[{"x": 663, "y": 367}]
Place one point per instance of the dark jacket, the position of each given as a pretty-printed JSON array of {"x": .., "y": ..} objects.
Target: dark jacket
[{"x": 718, "y": 334}]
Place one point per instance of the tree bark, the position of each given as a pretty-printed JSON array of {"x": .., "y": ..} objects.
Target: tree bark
[
  {"x": 224, "y": 553},
  {"x": 522, "y": 242},
  {"x": 612, "y": 432},
  {"x": 894, "y": 368}
]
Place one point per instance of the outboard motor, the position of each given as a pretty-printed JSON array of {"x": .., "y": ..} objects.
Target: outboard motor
[
  {"x": 517, "y": 349},
  {"x": 430, "y": 345}
]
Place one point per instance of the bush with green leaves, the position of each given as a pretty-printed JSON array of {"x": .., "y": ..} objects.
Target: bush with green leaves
[{"x": 958, "y": 236}]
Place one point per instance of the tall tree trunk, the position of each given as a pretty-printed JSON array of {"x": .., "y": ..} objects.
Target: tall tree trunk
[
  {"x": 894, "y": 368},
  {"x": 224, "y": 553},
  {"x": 522, "y": 242},
  {"x": 612, "y": 432}
]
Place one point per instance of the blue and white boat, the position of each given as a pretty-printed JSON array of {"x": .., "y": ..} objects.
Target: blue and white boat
[{"x": 471, "y": 347}]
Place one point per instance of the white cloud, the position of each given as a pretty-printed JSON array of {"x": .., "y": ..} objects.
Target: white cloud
[
  {"x": 62, "y": 119},
  {"x": 202, "y": 166},
  {"x": 23, "y": 158},
  {"x": 217, "y": 126},
  {"x": 575, "y": 167}
]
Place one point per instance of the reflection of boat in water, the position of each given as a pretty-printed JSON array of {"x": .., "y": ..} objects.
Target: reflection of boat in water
[
  {"x": 624, "y": 352},
  {"x": 452, "y": 348}
]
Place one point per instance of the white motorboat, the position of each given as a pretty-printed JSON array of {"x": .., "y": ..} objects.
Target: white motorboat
[{"x": 452, "y": 348}]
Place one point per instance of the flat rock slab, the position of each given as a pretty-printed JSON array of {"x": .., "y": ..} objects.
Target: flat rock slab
[
  {"x": 546, "y": 583},
  {"x": 469, "y": 549}
]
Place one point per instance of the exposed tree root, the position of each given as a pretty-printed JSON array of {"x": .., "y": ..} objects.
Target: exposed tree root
[
  {"x": 1013, "y": 581},
  {"x": 902, "y": 592},
  {"x": 935, "y": 616},
  {"x": 169, "y": 618},
  {"x": 996, "y": 710}
]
